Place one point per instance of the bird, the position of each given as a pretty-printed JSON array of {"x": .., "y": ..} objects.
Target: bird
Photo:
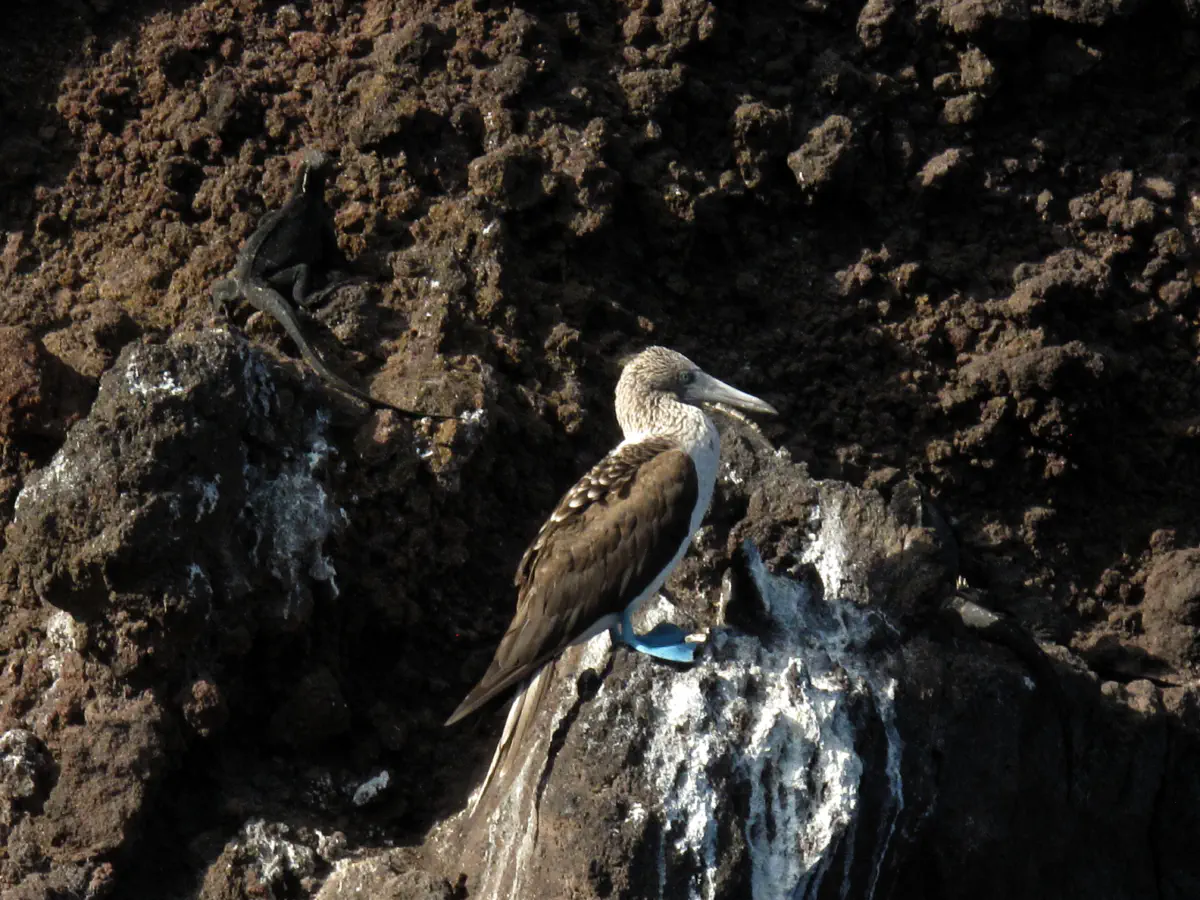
[{"x": 614, "y": 537}]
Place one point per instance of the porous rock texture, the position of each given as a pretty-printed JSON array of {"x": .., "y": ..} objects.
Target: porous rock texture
[{"x": 953, "y": 242}]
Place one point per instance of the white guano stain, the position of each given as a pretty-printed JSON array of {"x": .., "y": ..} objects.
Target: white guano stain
[
  {"x": 294, "y": 511},
  {"x": 60, "y": 636},
  {"x": 146, "y": 384},
  {"x": 59, "y": 476},
  {"x": 274, "y": 852},
  {"x": 780, "y": 715}
]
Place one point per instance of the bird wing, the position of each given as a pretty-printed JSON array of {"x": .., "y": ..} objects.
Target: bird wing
[{"x": 610, "y": 535}]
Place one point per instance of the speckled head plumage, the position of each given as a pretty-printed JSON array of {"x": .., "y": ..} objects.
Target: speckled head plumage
[{"x": 654, "y": 384}]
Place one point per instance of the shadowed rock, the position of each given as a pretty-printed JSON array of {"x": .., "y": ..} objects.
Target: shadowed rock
[{"x": 174, "y": 524}]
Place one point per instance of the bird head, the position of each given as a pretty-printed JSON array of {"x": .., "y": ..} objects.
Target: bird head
[{"x": 658, "y": 373}]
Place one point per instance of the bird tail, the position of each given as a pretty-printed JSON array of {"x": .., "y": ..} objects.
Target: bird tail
[{"x": 516, "y": 727}]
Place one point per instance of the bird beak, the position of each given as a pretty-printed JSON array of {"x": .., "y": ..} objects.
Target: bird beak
[{"x": 706, "y": 389}]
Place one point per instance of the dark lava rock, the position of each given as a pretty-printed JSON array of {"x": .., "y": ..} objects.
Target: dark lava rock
[
  {"x": 314, "y": 712},
  {"x": 151, "y": 536}
]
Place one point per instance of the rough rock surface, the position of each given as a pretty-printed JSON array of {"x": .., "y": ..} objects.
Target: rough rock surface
[
  {"x": 831, "y": 739},
  {"x": 955, "y": 242}
]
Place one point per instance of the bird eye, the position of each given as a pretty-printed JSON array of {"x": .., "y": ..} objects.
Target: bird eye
[{"x": 687, "y": 376}]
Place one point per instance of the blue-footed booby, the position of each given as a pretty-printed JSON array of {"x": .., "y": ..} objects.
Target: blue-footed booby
[{"x": 616, "y": 535}]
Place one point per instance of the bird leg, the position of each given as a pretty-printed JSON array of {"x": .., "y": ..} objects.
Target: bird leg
[{"x": 664, "y": 641}]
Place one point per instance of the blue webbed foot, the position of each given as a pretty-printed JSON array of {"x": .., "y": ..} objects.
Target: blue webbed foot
[
  {"x": 663, "y": 635},
  {"x": 664, "y": 641},
  {"x": 680, "y": 653}
]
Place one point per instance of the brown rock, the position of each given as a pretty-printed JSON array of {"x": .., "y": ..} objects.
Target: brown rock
[
  {"x": 962, "y": 110},
  {"x": 942, "y": 168},
  {"x": 204, "y": 707},
  {"x": 647, "y": 90},
  {"x": 760, "y": 135},
  {"x": 107, "y": 768},
  {"x": 509, "y": 177},
  {"x": 873, "y": 21},
  {"x": 1088, "y": 12},
  {"x": 824, "y": 154},
  {"x": 1137, "y": 214},
  {"x": 947, "y": 84},
  {"x": 389, "y": 875},
  {"x": 1170, "y": 609},
  {"x": 976, "y": 71},
  {"x": 21, "y": 376},
  {"x": 972, "y": 16}
]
